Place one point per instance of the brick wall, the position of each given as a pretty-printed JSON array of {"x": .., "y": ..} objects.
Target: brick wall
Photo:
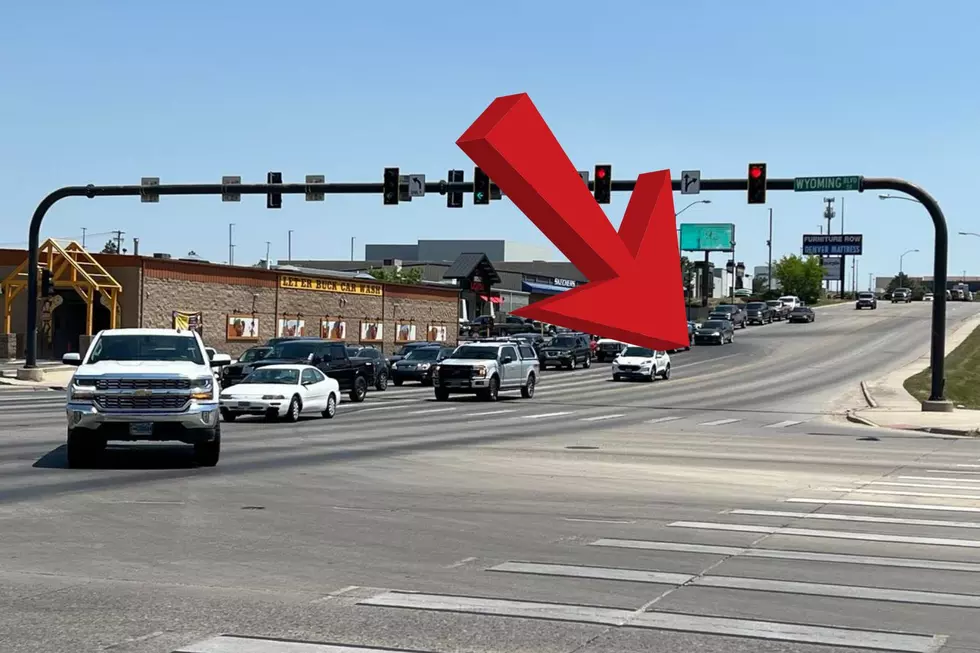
[
  {"x": 315, "y": 306},
  {"x": 422, "y": 307}
]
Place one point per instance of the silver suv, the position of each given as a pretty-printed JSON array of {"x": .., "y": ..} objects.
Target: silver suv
[
  {"x": 486, "y": 368},
  {"x": 144, "y": 384}
]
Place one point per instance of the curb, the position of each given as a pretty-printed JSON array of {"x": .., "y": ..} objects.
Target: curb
[
  {"x": 857, "y": 419},
  {"x": 866, "y": 391},
  {"x": 852, "y": 416}
]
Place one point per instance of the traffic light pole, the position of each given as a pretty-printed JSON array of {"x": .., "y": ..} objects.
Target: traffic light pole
[{"x": 938, "y": 349}]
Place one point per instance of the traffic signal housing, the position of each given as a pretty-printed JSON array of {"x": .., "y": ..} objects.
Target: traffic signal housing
[
  {"x": 454, "y": 199},
  {"x": 603, "y": 184},
  {"x": 47, "y": 283},
  {"x": 757, "y": 183},
  {"x": 273, "y": 200},
  {"x": 391, "y": 186},
  {"x": 481, "y": 187}
]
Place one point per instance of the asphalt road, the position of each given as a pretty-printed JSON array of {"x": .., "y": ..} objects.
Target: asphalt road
[{"x": 728, "y": 509}]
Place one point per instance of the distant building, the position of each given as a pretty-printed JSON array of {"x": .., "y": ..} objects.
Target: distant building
[{"x": 439, "y": 251}]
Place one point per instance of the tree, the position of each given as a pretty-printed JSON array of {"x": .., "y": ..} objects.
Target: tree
[
  {"x": 799, "y": 276},
  {"x": 687, "y": 271},
  {"x": 902, "y": 280},
  {"x": 395, "y": 275},
  {"x": 110, "y": 247}
]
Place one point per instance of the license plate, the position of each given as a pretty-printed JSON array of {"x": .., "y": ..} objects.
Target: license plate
[
  {"x": 141, "y": 428},
  {"x": 243, "y": 404}
]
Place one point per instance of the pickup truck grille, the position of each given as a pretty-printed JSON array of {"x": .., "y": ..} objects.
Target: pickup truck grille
[
  {"x": 455, "y": 372},
  {"x": 143, "y": 384},
  {"x": 126, "y": 402}
]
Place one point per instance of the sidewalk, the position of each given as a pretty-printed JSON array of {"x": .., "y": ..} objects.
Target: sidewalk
[
  {"x": 56, "y": 375},
  {"x": 889, "y": 405}
]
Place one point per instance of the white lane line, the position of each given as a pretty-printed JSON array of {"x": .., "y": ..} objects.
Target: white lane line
[
  {"x": 490, "y": 412},
  {"x": 388, "y": 406},
  {"x": 661, "y": 420},
  {"x": 601, "y": 417},
  {"x": 769, "y": 630},
  {"x": 886, "y": 504},
  {"x": 856, "y": 518},
  {"x": 733, "y": 582},
  {"x": 840, "y": 535},
  {"x": 460, "y": 563},
  {"x": 599, "y": 573},
  {"x": 234, "y": 644},
  {"x": 948, "y": 471},
  {"x": 543, "y": 415},
  {"x": 934, "y": 486},
  {"x": 783, "y": 554},
  {"x": 967, "y": 465},
  {"x": 601, "y": 521},
  {"x": 782, "y": 425},
  {"x": 904, "y": 493},
  {"x": 941, "y": 478},
  {"x": 430, "y": 411},
  {"x": 719, "y": 422}
]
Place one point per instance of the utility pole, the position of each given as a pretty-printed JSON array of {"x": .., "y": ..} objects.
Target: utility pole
[
  {"x": 829, "y": 214},
  {"x": 769, "y": 245},
  {"x": 871, "y": 283},
  {"x": 119, "y": 235},
  {"x": 843, "y": 267},
  {"x": 268, "y": 263},
  {"x": 289, "y": 246},
  {"x": 83, "y": 237},
  {"x": 231, "y": 247},
  {"x": 352, "y": 248}
]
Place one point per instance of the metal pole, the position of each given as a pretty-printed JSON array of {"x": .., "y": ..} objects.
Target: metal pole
[
  {"x": 769, "y": 244},
  {"x": 289, "y": 246},
  {"x": 268, "y": 263},
  {"x": 352, "y": 248},
  {"x": 231, "y": 247},
  {"x": 83, "y": 237},
  {"x": 843, "y": 259},
  {"x": 705, "y": 280}
]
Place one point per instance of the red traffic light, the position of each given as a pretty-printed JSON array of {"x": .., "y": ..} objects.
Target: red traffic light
[
  {"x": 755, "y": 171},
  {"x": 601, "y": 173}
]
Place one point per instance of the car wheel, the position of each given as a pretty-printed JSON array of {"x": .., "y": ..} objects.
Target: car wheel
[
  {"x": 292, "y": 413},
  {"x": 588, "y": 362},
  {"x": 206, "y": 454},
  {"x": 382, "y": 382},
  {"x": 491, "y": 393},
  {"x": 83, "y": 450},
  {"x": 442, "y": 394},
  {"x": 359, "y": 392},
  {"x": 331, "y": 408},
  {"x": 616, "y": 377},
  {"x": 666, "y": 373},
  {"x": 227, "y": 415},
  {"x": 528, "y": 390}
]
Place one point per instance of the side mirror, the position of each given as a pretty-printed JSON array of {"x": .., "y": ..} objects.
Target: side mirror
[
  {"x": 219, "y": 360},
  {"x": 507, "y": 359},
  {"x": 72, "y": 359}
]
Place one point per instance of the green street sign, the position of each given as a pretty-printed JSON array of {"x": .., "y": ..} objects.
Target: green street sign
[{"x": 839, "y": 182}]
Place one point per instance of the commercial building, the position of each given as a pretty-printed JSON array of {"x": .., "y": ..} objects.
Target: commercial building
[
  {"x": 952, "y": 281},
  {"x": 233, "y": 307}
]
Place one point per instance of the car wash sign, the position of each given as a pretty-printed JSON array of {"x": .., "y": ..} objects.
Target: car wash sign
[{"x": 331, "y": 285}]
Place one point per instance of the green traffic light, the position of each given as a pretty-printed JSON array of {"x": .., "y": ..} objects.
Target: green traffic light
[{"x": 479, "y": 196}]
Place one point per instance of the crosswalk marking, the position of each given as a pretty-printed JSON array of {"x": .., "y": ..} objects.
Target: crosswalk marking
[
  {"x": 661, "y": 420},
  {"x": 733, "y": 582},
  {"x": 840, "y": 535},
  {"x": 934, "y": 486},
  {"x": 601, "y": 417},
  {"x": 857, "y": 518},
  {"x": 719, "y": 422},
  {"x": 940, "y": 478},
  {"x": 235, "y": 644},
  {"x": 672, "y": 621},
  {"x": 430, "y": 411},
  {"x": 784, "y": 554},
  {"x": 542, "y": 415},
  {"x": 909, "y": 493},
  {"x": 949, "y": 471},
  {"x": 491, "y": 412},
  {"x": 967, "y": 465},
  {"x": 886, "y": 504},
  {"x": 781, "y": 425}
]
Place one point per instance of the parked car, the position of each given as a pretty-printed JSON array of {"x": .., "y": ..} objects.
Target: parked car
[
  {"x": 354, "y": 375},
  {"x": 641, "y": 363},
  {"x": 928, "y": 297},
  {"x": 868, "y": 300},
  {"x": 715, "y": 332},
  {"x": 282, "y": 392},
  {"x": 730, "y": 312},
  {"x": 758, "y": 313},
  {"x": 779, "y": 309},
  {"x": 567, "y": 351},
  {"x": 801, "y": 314},
  {"x": 419, "y": 364},
  {"x": 486, "y": 368}
]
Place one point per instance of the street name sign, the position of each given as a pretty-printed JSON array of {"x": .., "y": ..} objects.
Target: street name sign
[
  {"x": 833, "y": 244},
  {"x": 837, "y": 182}
]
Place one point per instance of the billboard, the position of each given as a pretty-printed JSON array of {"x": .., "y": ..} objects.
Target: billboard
[
  {"x": 833, "y": 244},
  {"x": 831, "y": 268},
  {"x": 707, "y": 237}
]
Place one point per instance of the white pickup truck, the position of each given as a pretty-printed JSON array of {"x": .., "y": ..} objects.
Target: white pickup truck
[{"x": 144, "y": 384}]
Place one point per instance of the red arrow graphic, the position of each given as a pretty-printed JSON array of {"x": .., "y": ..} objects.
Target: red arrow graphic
[{"x": 635, "y": 291}]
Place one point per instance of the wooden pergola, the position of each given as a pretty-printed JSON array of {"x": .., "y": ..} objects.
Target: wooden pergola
[{"x": 72, "y": 268}]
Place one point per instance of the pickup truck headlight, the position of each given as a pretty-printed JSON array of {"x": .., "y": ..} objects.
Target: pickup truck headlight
[
  {"x": 202, "y": 387},
  {"x": 716, "y": 333},
  {"x": 480, "y": 371},
  {"x": 425, "y": 366},
  {"x": 272, "y": 397}
]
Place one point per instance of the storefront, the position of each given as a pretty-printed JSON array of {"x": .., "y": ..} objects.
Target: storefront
[{"x": 539, "y": 288}]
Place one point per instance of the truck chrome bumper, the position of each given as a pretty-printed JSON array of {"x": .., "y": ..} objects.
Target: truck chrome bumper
[{"x": 199, "y": 415}]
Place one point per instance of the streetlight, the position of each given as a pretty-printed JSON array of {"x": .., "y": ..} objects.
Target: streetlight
[
  {"x": 969, "y": 233},
  {"x": 898, "y": 197},
  {"x": 901, "y": 260},
  {"x": 690, "y": 205}
]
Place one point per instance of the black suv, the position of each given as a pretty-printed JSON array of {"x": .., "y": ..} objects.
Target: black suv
[
  {"x": 567, "y": 350},
  {"x": 758, "y": 313}
]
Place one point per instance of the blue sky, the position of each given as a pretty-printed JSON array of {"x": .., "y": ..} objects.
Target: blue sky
[{"x": 107, "y": 92}]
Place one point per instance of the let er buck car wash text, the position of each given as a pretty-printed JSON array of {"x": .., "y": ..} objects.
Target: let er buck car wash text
[{"x": 330, "y": 285}]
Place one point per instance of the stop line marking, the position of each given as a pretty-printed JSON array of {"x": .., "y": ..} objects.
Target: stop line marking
[{"x": 719, "y": 422}]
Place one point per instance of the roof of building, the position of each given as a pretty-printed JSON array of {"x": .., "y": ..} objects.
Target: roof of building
[{"x": 469, "y": 263}]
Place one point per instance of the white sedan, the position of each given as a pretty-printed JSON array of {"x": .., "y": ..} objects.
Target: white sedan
[
  {"x": 641, "y": 363},
  {"x": 283, "y": 391}
]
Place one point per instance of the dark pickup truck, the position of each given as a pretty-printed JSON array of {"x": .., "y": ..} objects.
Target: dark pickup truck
[
  {"x": 353, "y": 374},
  {"x": 503, "y": 325}
]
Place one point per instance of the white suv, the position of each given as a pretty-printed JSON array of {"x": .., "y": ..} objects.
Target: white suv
[
  {"x": 641, "y": 363},
  {"x": 144, "y": 384}
]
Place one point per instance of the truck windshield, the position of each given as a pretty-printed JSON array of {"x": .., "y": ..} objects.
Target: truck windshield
[
  {"x": 147, "y": 348},
  {"x": 563, "y": 342},
  {"x": 293, "y": 350},
  {"x": 638, "y": 351},
  {"x": 475, "y": 353}
]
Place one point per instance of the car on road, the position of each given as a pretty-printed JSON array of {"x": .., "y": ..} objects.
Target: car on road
[
  {"x": 715, "y": 332},
  {"x": 902, "y": 295},
  {"x": 419, "y": 364},
  {"x": 730, "y": 312},
  {"x": 928, "y": 297},
  {"x": 866, "y": 300},
  {"x": 232, "y": 374},
  {"x": 608, "y": 349},
  {"x": 778, "y": 309},
  {"x": 143, "y": 385},
  {"x": 281, "y": 392},
  {"x": 641, "y": 363},
  {"x": 758, "y": 313},
  {"x": 486, "y": 368},
  {"x": 354, "y": 375},
  {"x": 405, "y": 349},
  {"x": 382, "y": 368},
  {"x": 567, "y": 351},
  {"x": 791, "y": 302},
  {"x": 801, "y": 314}
]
